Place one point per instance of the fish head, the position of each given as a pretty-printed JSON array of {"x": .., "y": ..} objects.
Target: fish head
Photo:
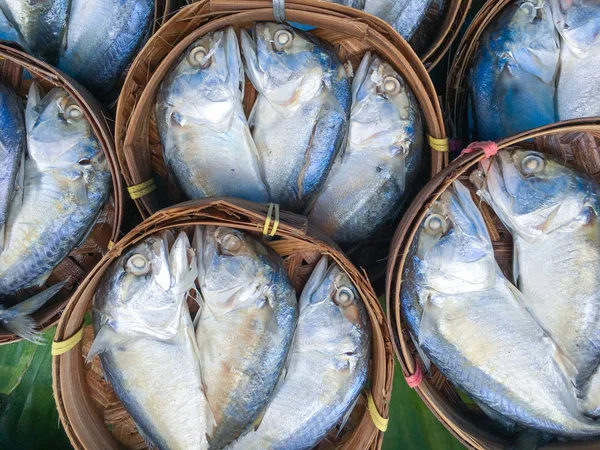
[
  {"x": 532, "y": 193},
  {"x": 144, "y": 290},
  {"x": 60, "y": 137},
  {"x": 578, "y": 22},
  {"x": 206, "y": 84},
  {"x": 333, "y": 319},
  {"x": 453, "y": 245},
  {"x": 285, "y": 65},
  {"x": 234, "y": 270},
  {"x": 384, "y": 111}
]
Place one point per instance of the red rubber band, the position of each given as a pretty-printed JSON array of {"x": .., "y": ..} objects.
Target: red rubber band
[
  {"x": 489, "y": 148},
  {"x": 415, "y": 379}
]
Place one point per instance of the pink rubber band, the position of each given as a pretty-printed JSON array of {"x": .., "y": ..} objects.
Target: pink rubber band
[
  {"x": 415, "y": 379},
  {"x": 489, "y": 148}
]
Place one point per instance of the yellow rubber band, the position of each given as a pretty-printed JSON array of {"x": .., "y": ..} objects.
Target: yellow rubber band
[
  {"x": 139, "y": 190},
  {"x": 441, "y": 145},
  {"x": 58, "y": 348},
  {"x": 381, "y": 423},
  {"x": 110, "y": 245},
  {"x": 272, "y": 206}
]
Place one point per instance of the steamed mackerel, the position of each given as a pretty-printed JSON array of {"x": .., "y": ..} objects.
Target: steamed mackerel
[
  {"x": 244, "y": 329},
  {"x": 404, "y": 15},
  {"x": 472, "y": 323},
  {"x": 300, "y": 117},
  {"x": 200, "y": 118},
  {"x": 103, "y": 37},
  {"x": 66, "y": 183},
  {"x": 513, "y": 76},
  {"x": 326, "y": 370},
  {"x": 369, "y": 181},
  {"x": 551, "y": 211},
  {"x": 145, "y": 339}
]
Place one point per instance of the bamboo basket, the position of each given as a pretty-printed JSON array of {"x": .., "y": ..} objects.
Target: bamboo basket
[
  {"x": 576, "y": 141},
  {"x": 352, "y": 32},
  {"x": 13, "y": 64},
  {"x": 87, "y": 405},
  {"x": 456, "y": 83}
]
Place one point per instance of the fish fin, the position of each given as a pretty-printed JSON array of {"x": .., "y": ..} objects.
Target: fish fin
[
  {"x": 105, "y": 339},
  {"x": 314, "y": 281},
  {"x": 361, "y": 74},
  {"x": 42, "y": 280},
  {"x": 21, "y": 325},
  {"x": 258, "y": 420},
  {"x": 564, "y": 362},
  {"x": 346, "y": 417},
  {"x": 89, "y": 230},
  {"x": 79, "y": 190},
  {"x": 547, "y": 225},
  {"x": 251, "y": 59},
  {"x": 421, "y": 353},
  {"x": 34, "y": 303},
  {"x": 508, "y": 424},
  {"x": 34, "y": 99},
  {"x": 145, "y": 437},
  {"x": 335, "y": 104},
  {"x": 428, "y": 320}
]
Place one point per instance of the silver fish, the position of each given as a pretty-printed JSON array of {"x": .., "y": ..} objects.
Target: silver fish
[
  {"x": 300, "y": 117},
  {"x": 8, "y": 32},
  {"x": 244, "y": 329},
  {"x": 578, "y": 22},
  {"x": 41, "y": 23},
  {"x": 145, "y": 339},
  {"x": 66, "y": 183},
  {"x": 369, "y": 180},
  {"x": 356, "y": 4},
  {"x": 551, "y": 211},
  {"x": 103, "y": 36},
  {"x": 513, "y": 76},
  {"x": 327, "y": 366},
  {"x": 404, "y": 15},
  {"x": 12, "y": 148},
  {"x": 472, "y": 323},
  {"x": 200, "y": 118}
]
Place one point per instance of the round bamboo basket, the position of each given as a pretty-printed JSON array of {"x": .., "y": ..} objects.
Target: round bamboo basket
[
  {"x": 456, "y": 84},
  {"x": 350, "y": 31},
  {"x": 90, "y": 412},
  {"x": 13, "y": 64},
  {"x": 576, "y": 141}
]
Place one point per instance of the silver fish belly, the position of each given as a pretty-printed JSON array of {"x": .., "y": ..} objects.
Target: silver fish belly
[
  {"x": 369, "y": 180},
  {"x": 513, "y": 76},
  {"x": 145, "y": 338},
  {"x": 300, "y": 117},
  {"x": 200, "y": 118},
  {"x": 472, "y": 323},
  {"x": 327, "y": 366},
  {"x": 244, "y": 329}
]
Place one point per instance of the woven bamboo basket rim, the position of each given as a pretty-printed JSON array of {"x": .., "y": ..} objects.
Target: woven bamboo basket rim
[
  {"x": 136, "y": 103},
  {"x": 79, "y": 415},
  {"x": 14, "y": 61},
  {"x": 456, "y": 83},
  {"x": 467, "y": 432}
]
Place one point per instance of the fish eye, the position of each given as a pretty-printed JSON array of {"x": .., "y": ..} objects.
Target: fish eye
[
  {"x": 532, "y": 164},
  {"x": 137, "y": 265},
  {"x": 344, "y": 296},
  {"x": 391, "y": 85},
  {"x": 197, "y": 57},
  {"x": 232, "y": 243},
  {"x": 435, "y": 224},
  {"x": 73, "y": 112},
  {"x": 282, "y": 39}
]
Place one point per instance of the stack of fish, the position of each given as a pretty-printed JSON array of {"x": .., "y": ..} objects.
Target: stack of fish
[
  {"x": 343, "y": 154},
  {"x": 255, "y": 369},
  {"x": 90, "y": 40},
  {"x": 536, "y": 64},
  {"x": 527, "y": 351},
  {"x": 415, "y": 20},
  {"x": 54, "y": 183}
]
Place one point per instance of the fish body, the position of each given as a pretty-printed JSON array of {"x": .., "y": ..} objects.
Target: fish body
[
  {"x": 551, "y": 211},
  {"x": 513, "y": 76},
  {"x": 578, "y": 23},
  {"x": 245, "y": 326},
  {"x": 205, "y": 135},
  {"x": 145, "y": 338},
  {"x": 404, "y": 15},
  {"x": 300, "y": 117},
  {"x": 66, "y": 183},
  {"x": 369, "y": 180},
  {"x": 41, "y": 23},
  {"x": 8, "y": 32},
  {"x": 12, "y": 147},
  {"x": 326, "y": 370},
  {"x": 103, "y": 37},
  {"x": 472, "y": 323},
  {"x": 356, "y": 4}
]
